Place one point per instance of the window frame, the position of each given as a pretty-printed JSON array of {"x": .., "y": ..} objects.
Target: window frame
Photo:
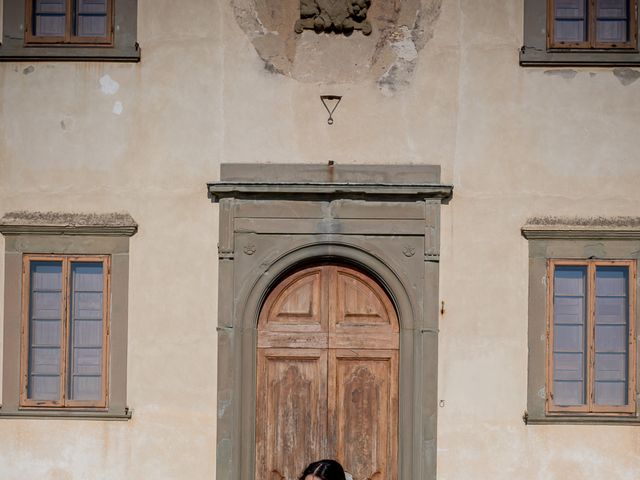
[
  {"x": 15, "y": 44},
  {"x": 591, "y": 407},
  {"x": 591, "y": 17},
  {"x": 73, "y": 235},
  {"x": 69, "y": 38},
  {"x": 537, "y": 51},
  {"x": 66, "y": 260},
  {"x": 579, "y": 239}
]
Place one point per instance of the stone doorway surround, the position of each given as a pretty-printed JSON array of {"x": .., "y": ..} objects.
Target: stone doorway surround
[{"x": 383, "y": 219}]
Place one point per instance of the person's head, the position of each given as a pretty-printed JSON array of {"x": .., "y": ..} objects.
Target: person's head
[{"x": 323, "y": 470}]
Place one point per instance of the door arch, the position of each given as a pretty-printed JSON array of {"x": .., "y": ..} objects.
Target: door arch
[{"x": 327, "y": 375}]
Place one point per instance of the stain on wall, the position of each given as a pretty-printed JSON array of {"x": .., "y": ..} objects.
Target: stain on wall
[
  {"x": 626, "y": 76},
  {"x": 566, "y": 73},
  {"x": 388, "y": 57}
]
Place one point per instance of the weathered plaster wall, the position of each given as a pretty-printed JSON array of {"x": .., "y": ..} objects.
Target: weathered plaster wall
[{"x": 212, "y": 87}]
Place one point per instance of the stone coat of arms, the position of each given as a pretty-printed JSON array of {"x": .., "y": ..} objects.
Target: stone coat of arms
[{"x": 340, "y": 16}]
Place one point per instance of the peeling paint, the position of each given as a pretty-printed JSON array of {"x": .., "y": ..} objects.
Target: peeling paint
[
  {"x": 406, "y": 53},
  {"x": 566, "y": 73},
  {"x": 108, "y": 85},
  {"x": 403, "y": 45},
  {"x": 626, "y": 76},
  {"x": 247, "y": 17},
  {"x": 222, "y": 407},
  {"x": 542, "y": 393}
]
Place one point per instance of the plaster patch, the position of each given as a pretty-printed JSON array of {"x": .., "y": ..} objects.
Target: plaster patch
[
  {"x": 566, "y": 73},
  {"x": 108, "y": 85},
  {"x": 626, "y": 76},
  {"x": 403, "y": 47},
  {"x": 28, "y": 70},
  {"x": 247, "y": 17},
  {"x": 118, "y": 107},
  {"x": 406, "y": 53}
]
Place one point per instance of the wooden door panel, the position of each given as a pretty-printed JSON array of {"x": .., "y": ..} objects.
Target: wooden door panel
[
  {"x": 327, "y": 376},
  {"x": 292, "y": 411},
  {"x": 359, "y": 305},
  {"x": 296, "y": 304},
  {"x": 363, "y": 412},
  {"x": 292, "y": 340}
]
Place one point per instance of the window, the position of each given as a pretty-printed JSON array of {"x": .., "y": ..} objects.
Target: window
[
  {"x": 591, "y": 340},
  {"x": 65, "y": 331},
  {"x": 580, "y": 32},
  {"x": 70, "y": 29},
  {"x": 69, "y": 21},
  {"x": 605, "y": 24},
  {"x": 65, "y": 315},
  {"x": 583, "y": 363}
]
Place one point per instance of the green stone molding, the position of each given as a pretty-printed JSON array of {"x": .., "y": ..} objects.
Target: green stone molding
[
  {"x": 66, "y": 234},
  {"x": 383, "y": 219},
  {"x": 327, "y": 189},
  {"x": 604, "y": 238}
]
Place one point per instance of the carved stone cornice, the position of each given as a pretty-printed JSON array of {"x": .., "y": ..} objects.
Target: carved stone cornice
[
  {"x": 55, "y": 223},
  {"x": 582, "y": 228}
]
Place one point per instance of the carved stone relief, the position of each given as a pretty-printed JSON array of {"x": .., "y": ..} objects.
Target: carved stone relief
[
  {"x": 340, "y": 16},
  {"x": 386, "y": 53}
]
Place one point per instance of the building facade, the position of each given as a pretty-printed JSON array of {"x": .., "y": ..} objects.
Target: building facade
[{"x": 241, "y": 235}]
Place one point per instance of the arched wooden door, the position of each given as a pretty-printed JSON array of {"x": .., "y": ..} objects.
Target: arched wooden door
[{"x": 327, "y": 376}]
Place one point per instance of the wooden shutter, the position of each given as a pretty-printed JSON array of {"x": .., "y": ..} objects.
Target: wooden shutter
[
  {"x": 569, "y": 335},
  {"x": 45, "y": 329},
  {"x": 86, "y": 330},
  {"x": 592, "y": 336},
  {"x": 92, "y": 18},
  {"x": 65, "y": 331},
  {"x": 50, "y": 18},
  {"x": 612, "y": 21},
  {"x": 569, "y": 22},
  {"x": 611, "y": 336}
]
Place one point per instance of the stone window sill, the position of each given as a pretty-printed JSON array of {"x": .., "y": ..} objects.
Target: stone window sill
[
  {"x": 581, "y": 420},
  {"x": 122, "y": 415}
]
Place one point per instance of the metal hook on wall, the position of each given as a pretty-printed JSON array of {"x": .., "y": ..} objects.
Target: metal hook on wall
[{"x": 330, "y": 98}]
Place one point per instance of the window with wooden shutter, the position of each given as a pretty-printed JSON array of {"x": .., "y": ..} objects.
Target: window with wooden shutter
[
  {"x": 65, "y": 331},
  {"x": 591, "y": 337},
  {"x": 69, "y": 21}
]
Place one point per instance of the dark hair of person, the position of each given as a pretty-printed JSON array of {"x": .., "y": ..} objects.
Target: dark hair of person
[{"x": 324, "y": 470}]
